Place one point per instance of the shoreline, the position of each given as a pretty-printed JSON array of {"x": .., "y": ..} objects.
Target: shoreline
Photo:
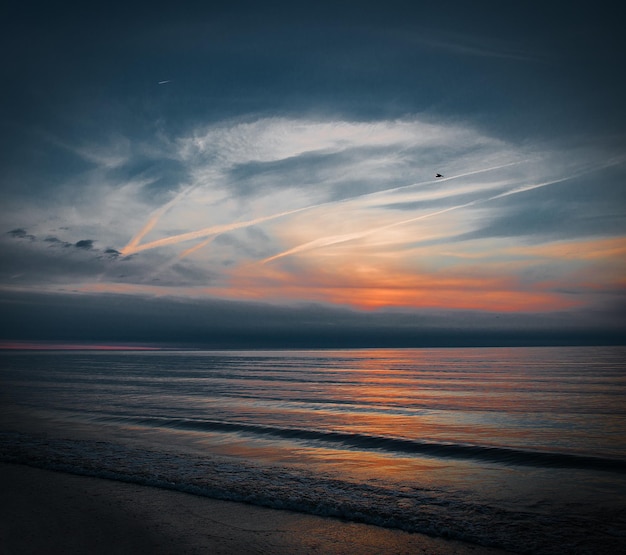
[{"x": 45, "y": 511}]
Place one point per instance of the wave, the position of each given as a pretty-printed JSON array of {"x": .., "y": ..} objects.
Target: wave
[
  {"x": 551, "y": 526},
  {"x": 485, "y": 453},
  {"x": 421, "y": 509}
]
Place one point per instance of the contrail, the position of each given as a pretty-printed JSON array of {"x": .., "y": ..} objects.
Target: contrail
[
  {"x": 442, "y": 179},
  {"x": 335, "y": 239},
  {"x": 133, "y": 245},
  {"x": 433, "y": 181},
  {"x": 182, "y": 255},
  {"x": 195, "y": 248},
  {"x": 205, "y": 232},
  {"x": 152, "y": 221}
]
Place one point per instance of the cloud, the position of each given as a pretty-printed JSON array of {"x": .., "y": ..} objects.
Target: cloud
[
  {"x": 311, "y": 143},
  {"x": 273, "y": 139},
  {"x": 251, "y": 195},
  {"x": 352, "y": 281},
  {"x": 325, "y": 241},
  {"x": 210, "y": 323},
  {"x": 55, "y": 241},
  {"x": 283, "y": 162},
  {"x": 21, "y": 234},
  {"x": 55, "y": 260},
  {"x": 84, "y": 244}
]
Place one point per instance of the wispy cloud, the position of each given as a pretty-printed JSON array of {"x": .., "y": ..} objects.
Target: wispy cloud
[
  {"x": 318, "y": 210},
  {"x": 336, "y": 239},
  {"x": 272, "y": 139},
  {"x": 466, "y": 44},
  {"x": 215, "y": 152}
]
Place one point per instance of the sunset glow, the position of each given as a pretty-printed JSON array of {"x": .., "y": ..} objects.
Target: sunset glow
[{"x": 424, "y": 176}]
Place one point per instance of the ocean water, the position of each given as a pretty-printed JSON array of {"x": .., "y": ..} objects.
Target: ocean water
[{"x": 518, "y": 448}]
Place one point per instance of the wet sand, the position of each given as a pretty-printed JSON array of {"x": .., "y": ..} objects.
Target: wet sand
[{"x": 46, "y": 512}]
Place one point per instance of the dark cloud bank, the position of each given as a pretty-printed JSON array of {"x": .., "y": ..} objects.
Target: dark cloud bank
[{"x": 175, "y": 323}]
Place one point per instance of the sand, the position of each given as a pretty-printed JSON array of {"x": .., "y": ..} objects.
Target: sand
[{"x": 46, "y": 512}]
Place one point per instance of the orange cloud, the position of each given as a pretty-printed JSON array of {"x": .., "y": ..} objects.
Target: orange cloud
[
  {"x": 368, "y": 277},
  {"x": 366, "y": 287},
  {"x": 611, "y": 249}
]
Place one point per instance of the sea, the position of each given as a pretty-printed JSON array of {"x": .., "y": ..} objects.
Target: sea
[{"x": 522, "y": 449}]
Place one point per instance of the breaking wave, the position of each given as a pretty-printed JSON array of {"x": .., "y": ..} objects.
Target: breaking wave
[{"x": 359, "y": 441}]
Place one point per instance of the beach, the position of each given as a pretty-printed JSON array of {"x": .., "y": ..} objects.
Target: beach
[
  {"x": 49, "y": 512},
  {"x": 355, "y": 452}
]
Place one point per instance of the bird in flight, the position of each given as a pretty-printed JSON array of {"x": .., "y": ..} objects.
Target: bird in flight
[
  {"x": 438, "y": 175},
  {"x": 163, "y": 82}
]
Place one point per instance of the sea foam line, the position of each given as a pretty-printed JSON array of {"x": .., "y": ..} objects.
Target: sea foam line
[{"x": 486, "y": 453}]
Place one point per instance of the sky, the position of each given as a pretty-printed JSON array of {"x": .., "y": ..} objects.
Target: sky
[{"x": 231, "y": 174}]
